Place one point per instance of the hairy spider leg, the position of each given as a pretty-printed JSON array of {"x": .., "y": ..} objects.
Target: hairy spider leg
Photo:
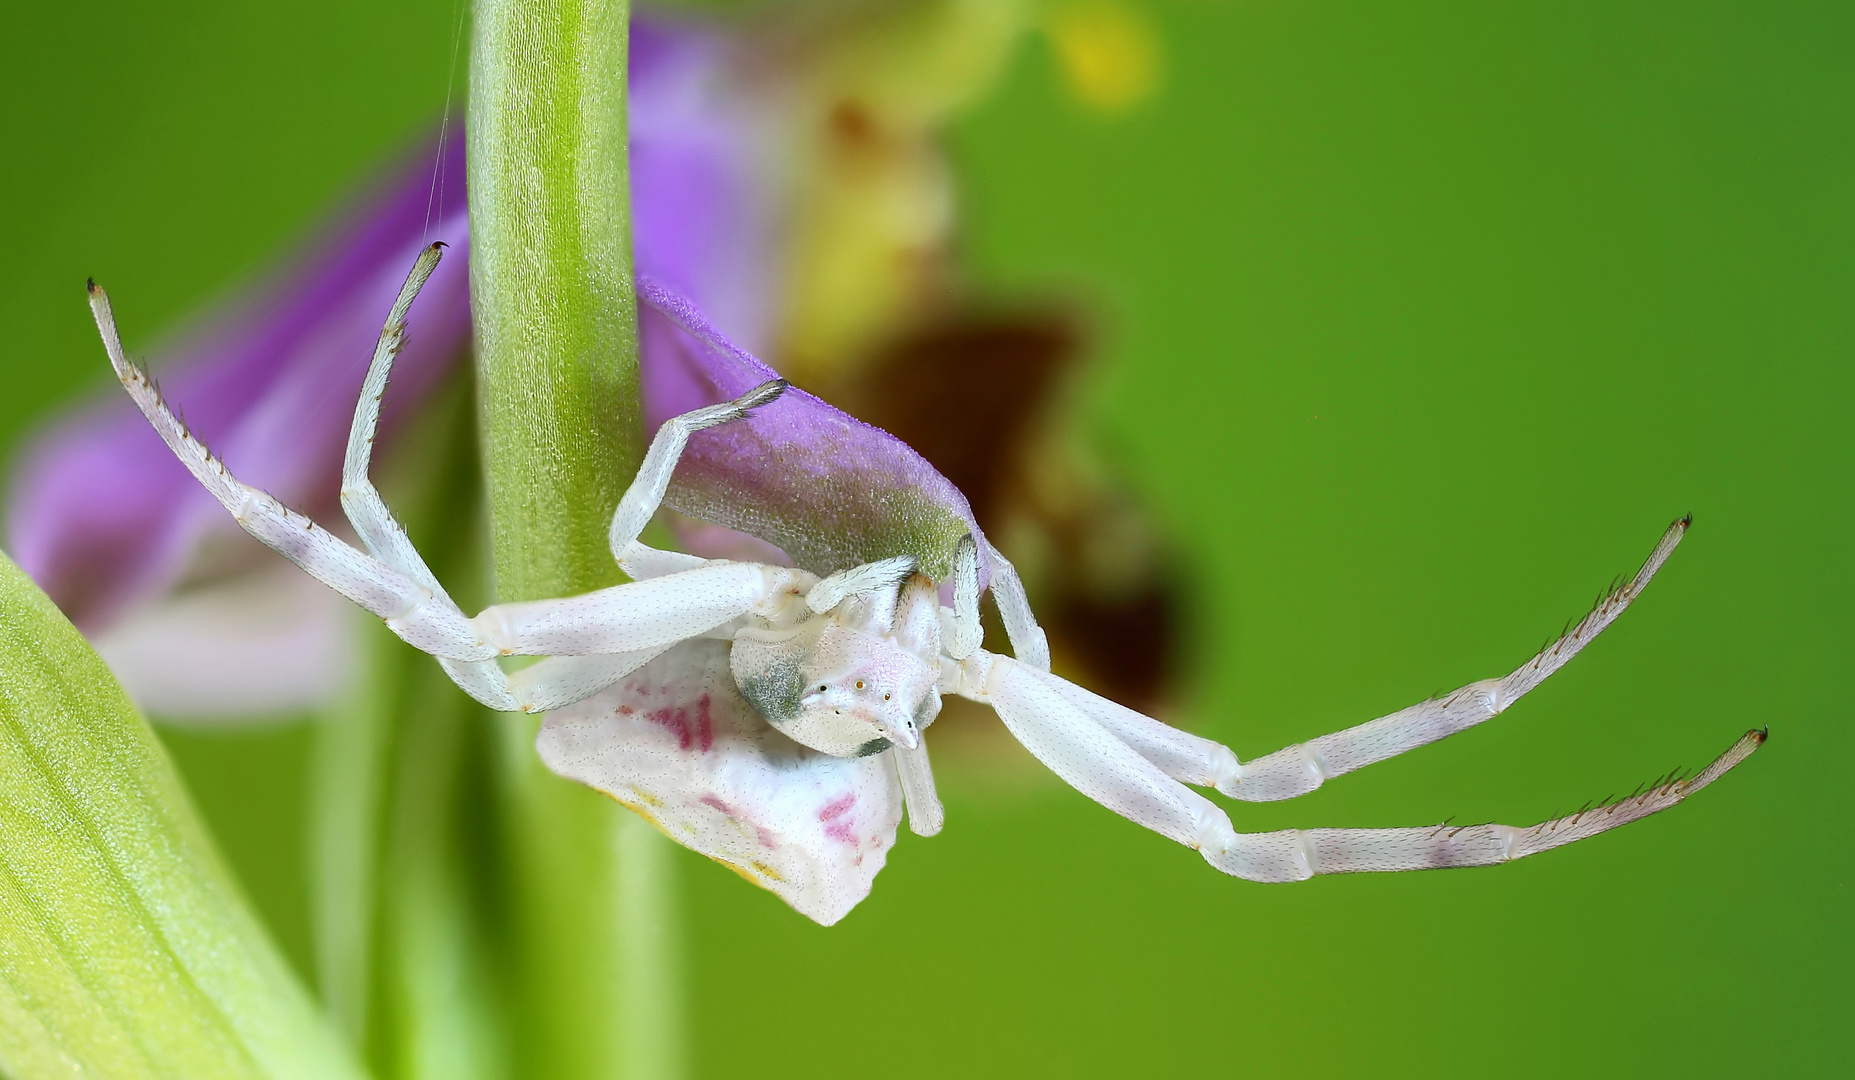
[
  {"x": 1295, "y": 854},
  {"x": 960, "y": 636},
  {"x": 1028, "y": 640},
  {"x": 646, "y": 492},
  {"x": 636, "y": 618},
  {"x": 965, "y": 633},
  {"x": 380, "y": 532},
  {"x": 870, "y": 577},
  {"x": 1300, "y": 769},
  {"x": 1090, "y": 757},
  {"x": 551, "y": 683}
]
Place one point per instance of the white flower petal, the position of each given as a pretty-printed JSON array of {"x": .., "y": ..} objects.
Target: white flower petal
[
  {"x": 256, "y": 648},
  {"x": 676, "y": 742}
]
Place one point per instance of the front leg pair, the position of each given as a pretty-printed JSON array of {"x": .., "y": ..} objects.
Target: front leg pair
[{"x": 592, "y": 640}]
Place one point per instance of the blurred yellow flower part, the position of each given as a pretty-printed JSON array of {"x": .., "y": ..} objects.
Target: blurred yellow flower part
[
  {"x": 1110, "y": 52},
  {"x": 873, "y": 205}
]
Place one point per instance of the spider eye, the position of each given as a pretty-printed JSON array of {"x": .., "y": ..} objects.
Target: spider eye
[
  {"x": 822, "y": 689},
  {"x": 859, "y": 684},
  {"x": 885, "y": 697}
]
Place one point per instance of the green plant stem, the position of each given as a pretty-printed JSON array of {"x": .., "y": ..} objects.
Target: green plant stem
[
  {"x": 650, "y": 936},
  {"x": 558, "y": 396},
  {"x": 551, "y": 289},
  {"x": 347, "y": 789},
  {"x": 401, "y": 854},
  {"x": 444, "y": 1007}
]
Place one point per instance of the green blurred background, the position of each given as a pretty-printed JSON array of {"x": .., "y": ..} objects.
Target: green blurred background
[{"x": 1421, "y": 322}]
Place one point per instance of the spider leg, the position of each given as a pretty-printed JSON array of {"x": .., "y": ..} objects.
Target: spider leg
[
  {"x": 597, "y": 638},
  {"x": 925, "y": 813},
  {"x": 1014, "y": 609},
  {"x": 412, "y": 611},
  {"x": 1092, "y": 759},
  {"x": 641, "y": 615},
  {"x": 1184, "y": 757},
  {"x": 1295, "y": 854},
  {"x": 1300, "y": 769},
  {"x": 642, "y": 498},
  {"x": 1180, "y": 755},
  {"x": 627, "y": 624},
  {"x": 1085, "y": 753},
  {"x": 884, "y": 574},
  {"x": 964, "y": 633},
  {"x": 374, "y": 522},
  {"x": 549, "y": 684}
]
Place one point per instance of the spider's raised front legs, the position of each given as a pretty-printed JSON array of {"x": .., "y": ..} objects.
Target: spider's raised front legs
[
  {"x": 408, "y": 607},
  {"x": 593, "y": 639}
]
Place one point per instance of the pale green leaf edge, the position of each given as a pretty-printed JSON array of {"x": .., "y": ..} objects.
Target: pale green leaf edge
[{"x": 125, "y": 948}]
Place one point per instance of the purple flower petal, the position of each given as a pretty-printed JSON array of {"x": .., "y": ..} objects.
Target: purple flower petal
[
  {"x": 102, "y": 515},
  {"x": 104, "y": 518},
  {"x": 705, "y": 188},
  {"x": 830, "y": 490}
]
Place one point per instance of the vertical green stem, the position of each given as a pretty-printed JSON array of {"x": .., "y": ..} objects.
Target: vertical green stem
[
  {"x": 441, "y": 990},
  {"x": 551, "y": 291},
  {"x": 650, "y": 935},
  {"x": 406, "y": 929},
  {"x": 348, "y": 786},
  {"x": 556, "y": 323}
]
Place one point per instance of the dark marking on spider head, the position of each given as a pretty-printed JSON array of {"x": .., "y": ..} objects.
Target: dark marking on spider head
[{"x": 769, "y": 678}]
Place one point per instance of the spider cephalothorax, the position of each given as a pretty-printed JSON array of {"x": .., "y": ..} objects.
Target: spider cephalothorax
[
  {"x": 774, "y": 720},
  {"x": 859, "y": 677}
]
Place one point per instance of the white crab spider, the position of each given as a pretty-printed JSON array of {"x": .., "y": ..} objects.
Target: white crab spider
[{"x": 753, "y": 711}]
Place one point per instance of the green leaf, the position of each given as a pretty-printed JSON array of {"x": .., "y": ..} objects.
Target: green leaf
[{"x": 125, "y": 948}]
